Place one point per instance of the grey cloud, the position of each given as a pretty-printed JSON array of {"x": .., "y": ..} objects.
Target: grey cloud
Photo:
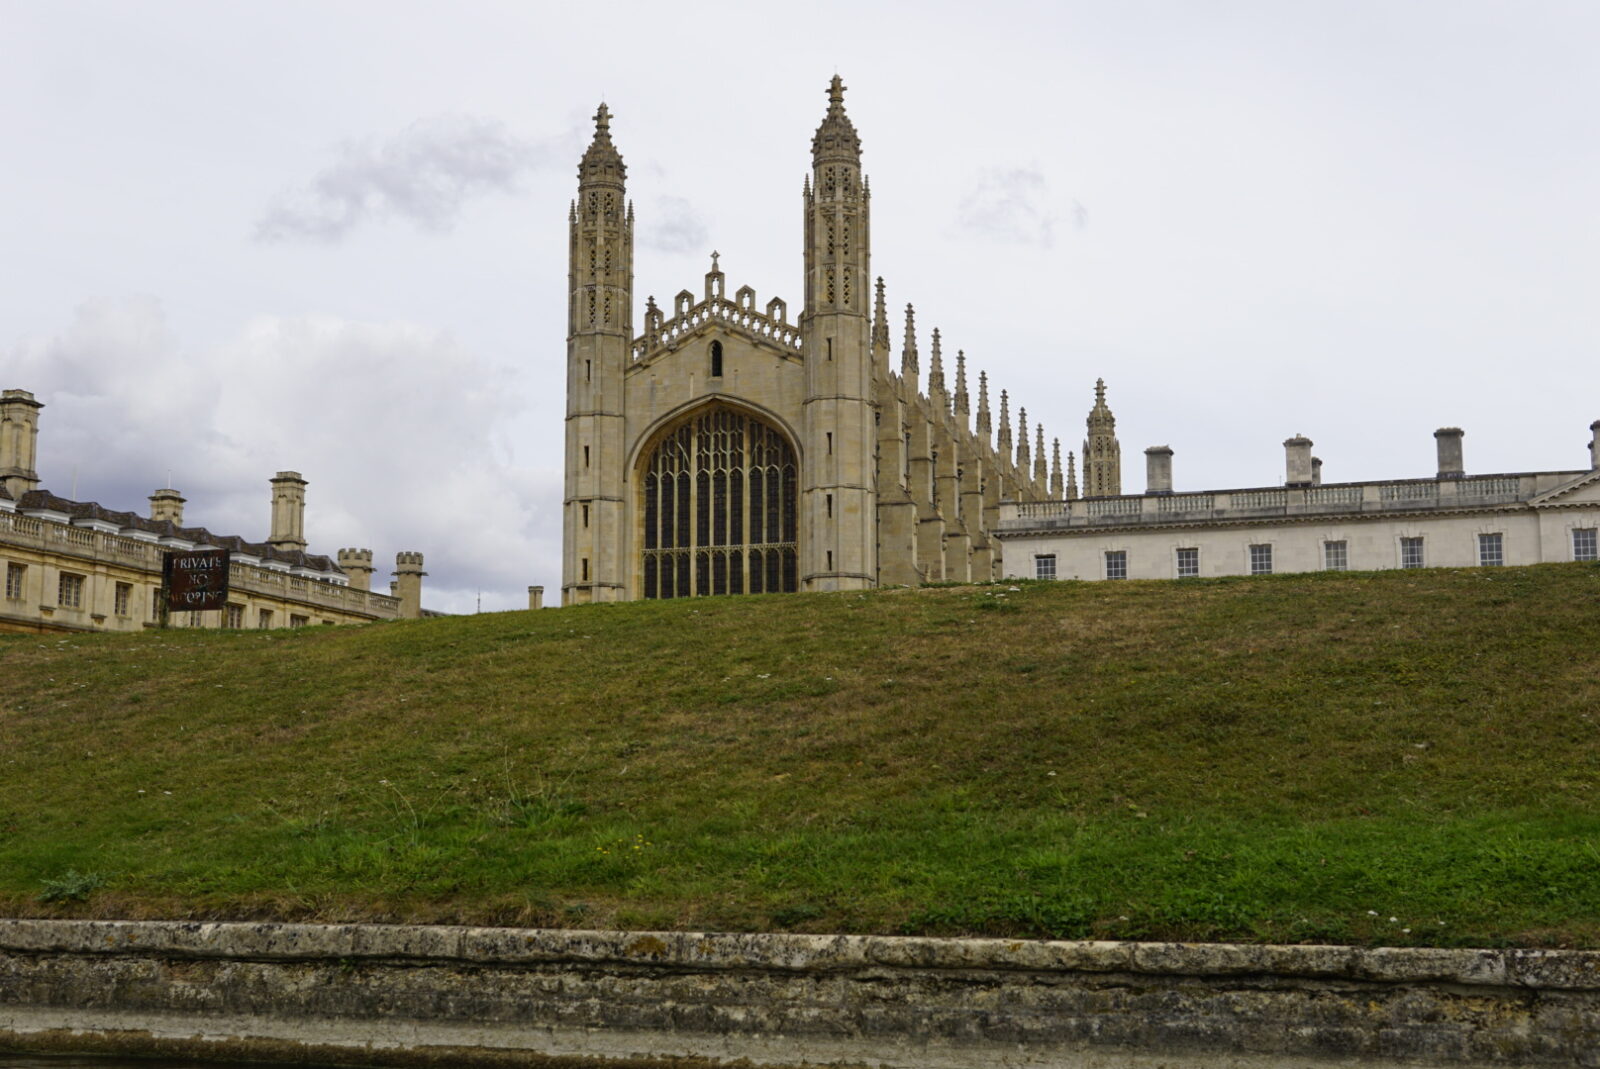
[
  {"x": 1010, "y": 205},
  {"x": 423, "y": 174},
  {"x": 673, "y": 226}
]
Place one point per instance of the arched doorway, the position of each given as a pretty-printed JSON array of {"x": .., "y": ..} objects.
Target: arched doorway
[{"x": 720, "y": 501}]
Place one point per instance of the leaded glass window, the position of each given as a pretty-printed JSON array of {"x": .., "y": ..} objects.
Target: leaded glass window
[{"x": 719, "y": 511}]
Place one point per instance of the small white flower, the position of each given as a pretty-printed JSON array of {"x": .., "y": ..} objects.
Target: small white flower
[
  {"x": 1394, "y": 920},
  {"x": 1372, "y": 913}
]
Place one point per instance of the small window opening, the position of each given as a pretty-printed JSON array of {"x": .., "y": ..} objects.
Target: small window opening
[
  {"x": 586, "y": 569},
  {"x": 588, "y": 371},
  {"x": 586, "y": 515},
  {"x": 716, "y": 360},
  {"x": 830, "y": 348},
  {"x": 830, "y": 443},
  {"x": 586, "y": 456},
  {"x": 829, "y": 498},
  {"x": 830, "y": 560}
]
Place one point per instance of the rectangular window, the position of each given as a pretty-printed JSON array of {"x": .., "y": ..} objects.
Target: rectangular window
[
  {"x": 1583, "y": 545},
  {"x": 1491, "y": 550},
  {"x": 1044, "y": 566},
  {"x": 196, "y": 619},
  {"x": 264, "y": 619},
  {"x": 1336, "y": 556},
  {"x": 120, "y": 600},
  {"x": 17, "y": 573},
  {"x": 1188, "y": 562},
  {"x": 1261, "y": 559},
  {"x": 233, "y": 616},
  {"x": 155, "y": 603},
  {"x": 69, "y": 594},
  {"x": 1116, "y": 564},
  {"x": 299, "y": 621},
  {"x": 586, "y": 515},
  {"x": 1411, "y": 552}
]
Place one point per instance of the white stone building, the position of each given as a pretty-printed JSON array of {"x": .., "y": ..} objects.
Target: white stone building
[{"x": 1450, "y": 520}]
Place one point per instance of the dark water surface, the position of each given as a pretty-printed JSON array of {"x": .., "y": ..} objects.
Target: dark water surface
[{"x": 37, "y": 1061}]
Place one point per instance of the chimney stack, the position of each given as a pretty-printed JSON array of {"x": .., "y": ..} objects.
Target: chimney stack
[
  {"x": 357, "y": 564},
  {"x": 19, "y": 441},
  {"x": 1450, "y": 462},
  {"x": 1158, "y": 470},
  {"x": 408, "y": 586},
  {"x": 1297, "y": 451},
  {"x": 288, "y": 511},
  {"x": 167, "y": 504},
  {"x": 536, "y": 597},
  {"x": 1594, "y": 445}
]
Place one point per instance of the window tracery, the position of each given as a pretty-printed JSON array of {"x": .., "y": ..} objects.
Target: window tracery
[{"x": 719, "y": 515}]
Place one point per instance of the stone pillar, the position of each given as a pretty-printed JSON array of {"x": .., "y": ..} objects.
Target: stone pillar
[
  {"x": 408, "y": 584},
  {"x": 1449, "y": 443},
  {"x": 19, "y": 441},
  {"x": 1158, "y": 470},
  {"x": 536, "y": 597},
  {"x": 1316, "y": 471},
  {"x": 167, "y": 504},
  {"x": 357, "y": 564},
  {"x": 1297, "y": 453},
  {"x": 288, "y": 511}
]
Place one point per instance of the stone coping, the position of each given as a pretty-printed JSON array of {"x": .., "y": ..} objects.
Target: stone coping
[{"x": 1568, "y": 970}]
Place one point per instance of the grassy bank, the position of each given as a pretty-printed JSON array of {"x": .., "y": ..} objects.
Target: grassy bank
[{"x": 1398, "y": 757}]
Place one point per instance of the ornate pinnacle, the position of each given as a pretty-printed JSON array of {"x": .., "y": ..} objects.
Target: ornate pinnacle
[
  {"x": 1072, "y": 477},
  {"x": 983, "y": 426},
  {"x": 935, "y": 367},
  {"x": 908, "y": 352},
  {"x": 961, "y": 385},
  {"x": 880, "y": 322},
  {"x": 601, "y": 161},
  {"x": 1003, "y": 435},
  {"x": 1056, "y": 489},
  {"x": 836, "y": 138},
  {"x": 1040, "y": 472},
  {"x": 1022, "y": 441}
]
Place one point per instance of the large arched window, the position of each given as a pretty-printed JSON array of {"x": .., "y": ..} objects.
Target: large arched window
[{"x": 719, "y": 509}]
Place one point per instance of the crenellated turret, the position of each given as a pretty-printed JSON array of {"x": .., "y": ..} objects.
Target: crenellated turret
[{"x": 599, "y": 334}]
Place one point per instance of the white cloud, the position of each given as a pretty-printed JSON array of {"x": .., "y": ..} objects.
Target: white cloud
[
  {"x": 674, "y": 227},
  {"x": 401, "y": 432},
  {"x": 423, "y": 174},
  {"x": 1009, "y": 204}
]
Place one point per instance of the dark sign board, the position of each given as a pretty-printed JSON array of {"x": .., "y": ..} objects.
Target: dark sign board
[{"x": 197, "y": 579}]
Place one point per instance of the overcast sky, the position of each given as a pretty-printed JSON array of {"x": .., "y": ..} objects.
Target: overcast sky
[{"x": 331, "y": 237}]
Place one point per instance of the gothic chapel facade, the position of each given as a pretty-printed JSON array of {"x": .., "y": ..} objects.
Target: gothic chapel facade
[{"x": 725, "y": 449}]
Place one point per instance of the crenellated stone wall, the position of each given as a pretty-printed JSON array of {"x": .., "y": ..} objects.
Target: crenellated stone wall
[{"x": 396, "y": 995}]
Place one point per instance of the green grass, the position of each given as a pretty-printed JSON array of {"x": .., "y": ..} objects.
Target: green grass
[{"x": 1277, "y": 759}]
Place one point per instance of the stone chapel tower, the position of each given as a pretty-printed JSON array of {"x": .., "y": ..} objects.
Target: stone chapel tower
[
  {"x": 1102, "y": 454},
  {"x": 838, "y": 503},
  {"x": 599, "y": 331}
]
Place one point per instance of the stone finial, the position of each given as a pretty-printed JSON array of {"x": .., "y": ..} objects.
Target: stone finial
[
  {"x": 1297, "y": 460},
  {"x": 836, "y": 138},
  {"x": 1003, "y": 435},
  {"x": 1022, "y": 460},
  {"x": 960, "y": 402},
  {"x": 908, "y": 351},
  {"x": 936, "y": 391},
  {"x": 602, "y": 163},
  {"x": 880, "y": 322},
  {"x": 1072, "y": 476},
  {"x": 1158, "y": 469},
  {"x": 1056, "y": 488},
  {"x": 981, "y": 420},
  {"x": 1041, "y": 472},
  {"x": 1447, "y": 440}
]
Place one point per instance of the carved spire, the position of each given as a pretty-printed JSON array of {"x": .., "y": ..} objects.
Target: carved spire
[
  {"x": 880, "y": 322},
  {"x": 1002, "y": 440},
  {"x": 1072, "y": 477},
  {"x": 908, "y": 352},
  {"x": 982, "y": 420},
  {"x": 936, "y": 392},
  {"x": 961, "y": 388},
  {"x": 836, "y": 138},
  {"x": 1040, "y": 471},
  {"x": 1102, "y": 455},
  {"x": 1022, "y": 442},
  {"x": 1055, "y": 470},
  {"x": 602, "y": 163}
]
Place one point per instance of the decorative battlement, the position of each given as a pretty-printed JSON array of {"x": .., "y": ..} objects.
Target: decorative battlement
[
  {"x": 739, "y": 315},
  {"x": 407, "y": 562},
  {"x": 347, "y": 557}
]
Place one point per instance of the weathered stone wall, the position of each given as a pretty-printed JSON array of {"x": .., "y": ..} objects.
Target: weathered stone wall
[{"x": 391, "y": 995}]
